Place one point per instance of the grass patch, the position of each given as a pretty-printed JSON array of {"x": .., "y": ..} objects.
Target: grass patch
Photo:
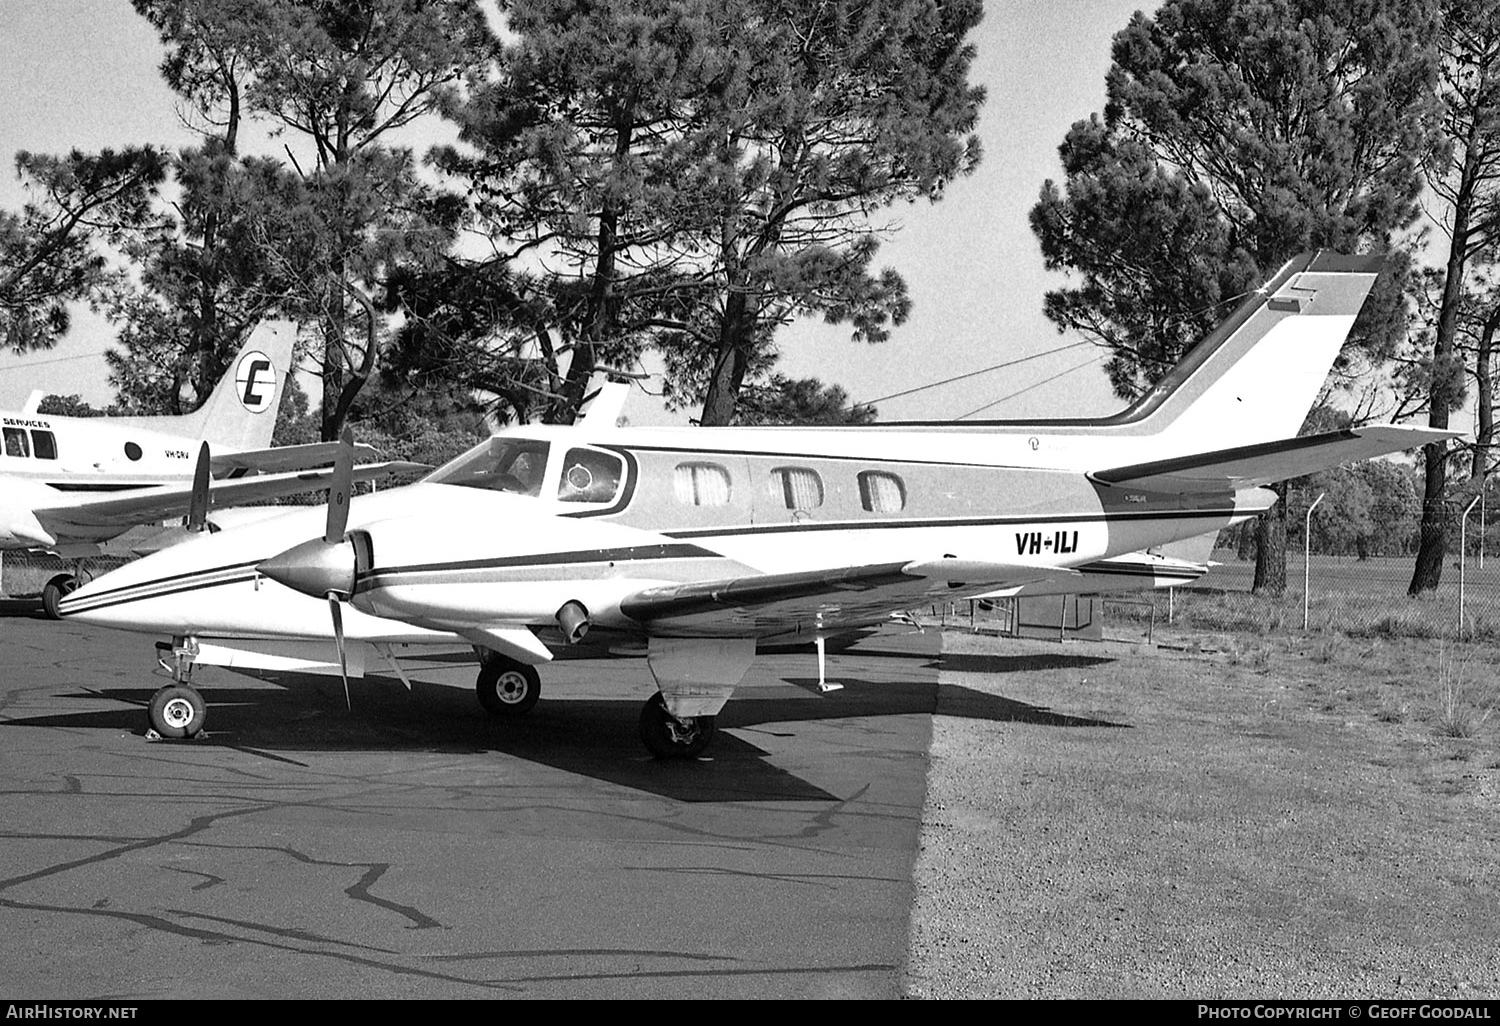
[{"x": 1464, "y": 705}]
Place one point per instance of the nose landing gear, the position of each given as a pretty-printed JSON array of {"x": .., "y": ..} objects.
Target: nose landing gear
[{"x": 177, "y": 710}]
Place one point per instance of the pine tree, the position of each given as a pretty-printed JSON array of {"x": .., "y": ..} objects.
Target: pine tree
[
  {"x": 1236, "y": 134},
  {"x": 694, "y": 175}
]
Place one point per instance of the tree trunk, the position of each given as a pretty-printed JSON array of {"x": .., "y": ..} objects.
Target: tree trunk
[
  {"x": 1270, "y": 548},
  {"x": 1245, "y": 545},
  {"x": 735, "y": 338},
  {"x": 1484, "y": 408},
  {"x": 1433, "y": 536}
]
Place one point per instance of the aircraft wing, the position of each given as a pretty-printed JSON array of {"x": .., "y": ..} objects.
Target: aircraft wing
[
  {"x": 769, "y": 605},
  {"x": 148, "y": 505},
  {"x": 284, "y": 458},
  {"x": 1254, "y": 466}
]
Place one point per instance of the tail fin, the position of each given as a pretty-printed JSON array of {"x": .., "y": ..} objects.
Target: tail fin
[
  {"x": 241, "y": 411},
  {"x": 1256, "y": 376}
]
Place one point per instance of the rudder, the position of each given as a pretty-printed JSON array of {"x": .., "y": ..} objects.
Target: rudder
[{"x": 241, "y": 411}]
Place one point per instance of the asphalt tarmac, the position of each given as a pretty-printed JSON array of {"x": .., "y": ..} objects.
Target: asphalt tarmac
[{"x": 417, "y": 848}]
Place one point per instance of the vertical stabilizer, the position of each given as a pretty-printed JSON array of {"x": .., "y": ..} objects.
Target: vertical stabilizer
[
  {"x": 241, "y": 411},
  {"x": 1255, "y": 378}
]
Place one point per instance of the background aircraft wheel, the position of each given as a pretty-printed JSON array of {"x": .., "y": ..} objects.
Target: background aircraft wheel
[
  {"x": 666, "y": 737},
  {"x": 54, "y": 591},
  {"x": 177, "y": 711},
  {"x": 506, "y": 687}
]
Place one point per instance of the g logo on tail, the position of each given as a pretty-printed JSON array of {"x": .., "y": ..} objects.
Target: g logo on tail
[{"x": 255, "y": 381}]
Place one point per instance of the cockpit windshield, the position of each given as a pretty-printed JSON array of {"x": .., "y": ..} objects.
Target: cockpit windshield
[{"x": 502, "y": 465}]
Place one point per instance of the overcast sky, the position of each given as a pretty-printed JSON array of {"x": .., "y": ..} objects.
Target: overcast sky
[{"x": 83, "y": 73}]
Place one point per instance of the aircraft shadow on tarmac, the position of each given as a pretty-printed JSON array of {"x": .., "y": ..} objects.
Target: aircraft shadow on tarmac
[
  {"x": 595, "y": 737},
  {"x": 30, "y": 607}
]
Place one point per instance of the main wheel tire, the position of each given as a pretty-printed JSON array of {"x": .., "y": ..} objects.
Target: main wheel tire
[
  {"x": 177, "y": 711},
  {"x": 667, "y": 737},
  {"x": 54, "y": 591},
  {"x": 507, "y": 688}
]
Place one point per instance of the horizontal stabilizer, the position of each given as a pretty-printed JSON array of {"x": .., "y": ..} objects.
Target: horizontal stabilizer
[
  {"x": 144, "y": 505},
  {"x": 285, "y": 458},
  {"x": 1254, "y": 466}
]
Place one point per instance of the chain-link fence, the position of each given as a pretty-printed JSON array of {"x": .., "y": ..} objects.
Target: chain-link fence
[
  {"x": 1349, "y": 569},
  {"x": 1351, "y": 566}
]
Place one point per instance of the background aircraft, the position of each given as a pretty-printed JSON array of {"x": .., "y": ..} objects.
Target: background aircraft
[
  {"x": 690, "y": 545},
  {"x": 68, "y": 484}
]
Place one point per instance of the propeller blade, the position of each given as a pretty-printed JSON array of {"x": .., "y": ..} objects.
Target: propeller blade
[
  {"x": 339, "y": 487},
  {"x": 338, "y": 638},
  {"x": 198, "y": 502}
]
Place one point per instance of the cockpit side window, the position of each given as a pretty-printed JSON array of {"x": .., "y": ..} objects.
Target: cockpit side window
[
  {"x": 503, "y": 465},
  {"x": 590, "y": 476}
]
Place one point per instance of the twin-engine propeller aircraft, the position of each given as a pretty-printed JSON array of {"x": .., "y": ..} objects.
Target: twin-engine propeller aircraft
[
  {"x": 691, "y": 545},
  {"x": 67, "y": 484}
]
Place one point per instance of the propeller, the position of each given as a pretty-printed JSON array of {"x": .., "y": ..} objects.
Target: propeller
[
  {"x": 197, "y": 520},
  {"x": 326, "y": 567}
]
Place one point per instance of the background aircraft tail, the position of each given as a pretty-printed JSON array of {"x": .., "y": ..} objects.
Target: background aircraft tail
[
  {"x": 1256, "y": 376},
  {"x": 241, "y": 411}
]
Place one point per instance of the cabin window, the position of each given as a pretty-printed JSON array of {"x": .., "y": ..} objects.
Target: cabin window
[
  {"x": 15, "y": 443},
  {"x": 797, "y": 487},
  {"x": 701, "y": 484},
  {"x": 880, "y": 492},
  {"x": 590, "y": 476},
  {"x": 501, "y": 464},
  {"x": 132, "y": 451},
  {"x": 44, "y": 444}
]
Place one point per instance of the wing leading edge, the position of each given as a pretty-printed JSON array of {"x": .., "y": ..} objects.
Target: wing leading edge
[
  {"x": 285, "y": 458},
  {"x": 804, "y": 601}
]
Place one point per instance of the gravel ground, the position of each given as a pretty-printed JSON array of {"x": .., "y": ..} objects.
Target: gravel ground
[{"x": 1104, "y": 821}]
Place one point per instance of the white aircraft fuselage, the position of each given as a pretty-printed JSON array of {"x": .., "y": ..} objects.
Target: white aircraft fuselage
[
  {"x": 505, "y": 557},
  {"x": 693, "y": 544}
]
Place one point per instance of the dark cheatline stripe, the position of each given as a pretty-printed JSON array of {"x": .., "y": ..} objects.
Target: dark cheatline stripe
[
  {"x": 631, "y": 553},
  {"x": 174, "y": 584},
  {"x": 902, "y": 525}
]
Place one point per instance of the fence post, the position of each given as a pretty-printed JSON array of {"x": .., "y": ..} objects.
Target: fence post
[
  {"x": 1307, "y": 556},
  {"x": 1463, "y": 559}
]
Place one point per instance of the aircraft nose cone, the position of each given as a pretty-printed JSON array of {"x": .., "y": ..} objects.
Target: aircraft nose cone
[{"x": 315, "y": 567}]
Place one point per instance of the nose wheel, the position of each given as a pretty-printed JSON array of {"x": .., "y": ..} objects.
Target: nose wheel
[
  {"x": 177, "y": 711},
  {"x": 667, "y": 737}
]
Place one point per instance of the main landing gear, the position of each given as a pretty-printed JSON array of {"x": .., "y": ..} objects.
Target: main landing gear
[
  {"x": 177, "y": 710},
  {"x": 60, "y": 586},
  {"x": 508, "y": 689},
  {"x": 505, "y": 687},
  {"x": 667, "y": 737}
]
